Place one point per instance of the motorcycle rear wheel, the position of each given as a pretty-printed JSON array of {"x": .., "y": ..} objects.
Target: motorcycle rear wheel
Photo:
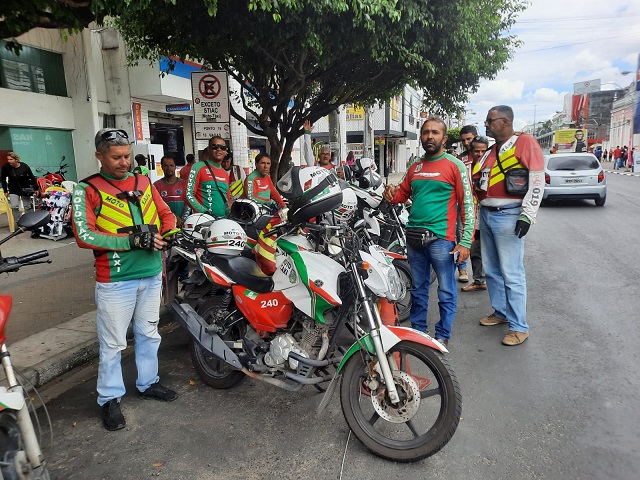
[
  {"x": 423, "y": 425},
  {"x": 404, "y": 304},
  {"x": 213, "y": 371}
]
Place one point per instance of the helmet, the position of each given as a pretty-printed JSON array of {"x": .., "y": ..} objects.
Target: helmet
[
  {"x": 244, "y": 210},
  {"x": 225, "y": 237},
  {"x": 194, "y": 227},
  {"x": 344, "y": 211},
  {"x": 366, "y": 173},
  {"x": 311, "y": 191}
]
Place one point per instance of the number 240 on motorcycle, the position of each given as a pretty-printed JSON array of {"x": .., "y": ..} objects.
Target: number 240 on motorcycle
[{"x": 269, "y": 303}]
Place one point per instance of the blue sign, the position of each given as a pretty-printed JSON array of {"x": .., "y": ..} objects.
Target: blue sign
[{"x": 179, "y": 107}]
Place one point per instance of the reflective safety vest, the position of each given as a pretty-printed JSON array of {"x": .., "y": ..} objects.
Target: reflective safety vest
[
  {"x": 115, "y": 208},
  {"x": 236, "y": 183}
]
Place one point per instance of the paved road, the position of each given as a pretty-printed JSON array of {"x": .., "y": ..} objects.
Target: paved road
[{"x": 564, "y": 405}]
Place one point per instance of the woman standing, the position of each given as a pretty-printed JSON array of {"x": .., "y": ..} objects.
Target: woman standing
[{"x": 17, "y": 180}]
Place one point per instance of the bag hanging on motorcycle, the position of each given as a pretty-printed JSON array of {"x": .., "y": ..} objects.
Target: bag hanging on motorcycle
[{"x": 419, "y": 237}]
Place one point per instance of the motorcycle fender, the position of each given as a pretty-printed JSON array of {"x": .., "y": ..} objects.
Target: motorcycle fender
[
  {"x": 391, "y": 336},
  {"x": 197, "y": 328},
  {"x": 10, "y": 400}
]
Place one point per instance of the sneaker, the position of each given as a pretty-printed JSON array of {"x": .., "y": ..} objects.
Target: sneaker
[
  {"x": 443, "y": 341},
  {"x": 474, "y": 286},
  {"x": 463, "y": 276},
  {"x": 492, "y": 319},
  {"x": 158, "y": 392},
  {"x": 515, "y": 338},
  {"x": 112, "y": 417}
]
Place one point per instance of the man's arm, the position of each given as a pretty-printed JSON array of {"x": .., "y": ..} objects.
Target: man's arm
[
  {"x": 275, "y": 196},
  {"x": 192, "y": 184},
  {"x": 167, "y": 218},
  {"x": 533, "y": 159},
  {"x": 309, "y": 157},
  {"x": 85, "y": 201},
  {"x": 464, "y": 196}
]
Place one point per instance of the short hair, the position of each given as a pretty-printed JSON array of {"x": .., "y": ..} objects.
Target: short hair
[
  {"x": 216, "y": 137},
  {"x": 191, "y": 158},
  {"x": 435, "y": 118},
  {"x": 469, "y": 129},
  {"x": 103, "y": 145},
  {"x": 479, "y": 139},
  {"x": 260, "y": 156},
  {"x": 505, "y": 110},
  {"x": 140, "y": 159},
  {"x": 169, "y": 157},
  {"x": 325, "y": 147}
]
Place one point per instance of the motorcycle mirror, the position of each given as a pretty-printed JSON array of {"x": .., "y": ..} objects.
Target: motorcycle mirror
[
  {"x": 39, "y": 169},
  {"x": 34, "y": 220}
]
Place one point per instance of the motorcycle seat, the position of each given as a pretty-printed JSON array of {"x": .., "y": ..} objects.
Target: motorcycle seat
[{"x": 242, "y": 271}]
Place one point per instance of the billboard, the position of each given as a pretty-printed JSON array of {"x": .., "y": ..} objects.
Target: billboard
[
  {"x": 590, "y": 86},
  {"x": 570, "y": 140}
]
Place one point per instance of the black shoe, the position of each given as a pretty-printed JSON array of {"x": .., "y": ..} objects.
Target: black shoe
[
  {"x": 112, "y": 416},
  {"x": 158, "y": 392}
]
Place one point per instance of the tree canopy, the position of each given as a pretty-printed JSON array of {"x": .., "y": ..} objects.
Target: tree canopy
[{"x": 301, "y": 59}]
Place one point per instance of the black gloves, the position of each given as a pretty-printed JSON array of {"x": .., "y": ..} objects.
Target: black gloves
[
  {"x": 142, "y": 240},
  {"x": 522, "y": 227}
]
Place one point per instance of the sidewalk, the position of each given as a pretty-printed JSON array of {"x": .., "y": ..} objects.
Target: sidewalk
[{"x": 608, "y": 167}]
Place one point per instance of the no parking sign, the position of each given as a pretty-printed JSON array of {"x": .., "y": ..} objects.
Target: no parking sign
[{"x": 210, "y": 104}]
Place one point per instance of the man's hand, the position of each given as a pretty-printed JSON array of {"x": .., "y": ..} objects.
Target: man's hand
[
  {"x": 463, "y": 253},
  {"x": 146, "y": 241},
  {"x": 390, "y": 192},
  {"x": 307, "y": 125},
  {"x": 522, "y": 226}
]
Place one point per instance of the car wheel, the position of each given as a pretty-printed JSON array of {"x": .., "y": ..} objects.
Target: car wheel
[{"x": 600, "y": 201}]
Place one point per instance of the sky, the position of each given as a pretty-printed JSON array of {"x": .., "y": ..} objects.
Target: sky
[{"x": 563, "y": 42}]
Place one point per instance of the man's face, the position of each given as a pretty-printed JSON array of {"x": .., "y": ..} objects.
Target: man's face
[
  {"x": 433, "y": 138},
  {"x": 116, "y": 161},
  {"x": 324, "y": 158},
  {"x": 226, "y": 164},
  {"x": 579, "y": 135},
  {"x": 478, "y": 151},
  {"x": 497, "y": 125},
  {"x": 12, "y": 161},
  {"x": 217, "y": 150},
  {"x": 168, "y": 167},
  {"x": 264, "y": 166},
  {"x": 466, "y": 140}
]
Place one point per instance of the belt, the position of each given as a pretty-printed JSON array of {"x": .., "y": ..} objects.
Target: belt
[{"x": 498, "y": 209}]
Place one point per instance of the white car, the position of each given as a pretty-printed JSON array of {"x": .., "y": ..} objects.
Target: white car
[{"x": 574, "y": 176}]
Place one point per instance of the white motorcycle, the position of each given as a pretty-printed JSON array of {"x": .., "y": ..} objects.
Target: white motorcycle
[{"x": 21, "y": 456}]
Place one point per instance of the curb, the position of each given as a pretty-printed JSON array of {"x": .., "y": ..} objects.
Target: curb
[
  {"x": 49, "y": 354},
  {"x": 626, "y": 174}
]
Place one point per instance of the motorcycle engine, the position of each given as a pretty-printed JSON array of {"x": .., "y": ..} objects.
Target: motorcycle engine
[{"x": 279, "y": 350}]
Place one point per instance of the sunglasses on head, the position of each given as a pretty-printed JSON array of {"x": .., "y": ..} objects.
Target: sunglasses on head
[
  {"x": 216, "y": 146},
  {"x": 113, "y": 134}
]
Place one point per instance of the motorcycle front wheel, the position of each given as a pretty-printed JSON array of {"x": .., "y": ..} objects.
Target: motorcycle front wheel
[
  {"x": 429, "y": 409},
  {"x": 213, "y": 371},
  {"x": 14, "y": 463}
]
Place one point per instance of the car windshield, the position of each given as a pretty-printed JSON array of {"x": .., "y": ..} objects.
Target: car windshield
[{"x": 572, "y": 163}]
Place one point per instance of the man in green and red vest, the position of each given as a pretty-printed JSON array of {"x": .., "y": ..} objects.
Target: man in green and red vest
[
  {"x": 208, "y": 183},
  {"x": 120, "y": 216},
  {"x": 258, "y": 185}
]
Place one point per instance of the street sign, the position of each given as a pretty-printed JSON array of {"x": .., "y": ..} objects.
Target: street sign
[
  {"x": 204, "y": 131},
  {"x": 589, "y": 86},
  {"x": 210, "y": 104}
]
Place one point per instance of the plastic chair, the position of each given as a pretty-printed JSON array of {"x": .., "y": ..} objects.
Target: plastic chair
[{"x": 5, "y": 207}]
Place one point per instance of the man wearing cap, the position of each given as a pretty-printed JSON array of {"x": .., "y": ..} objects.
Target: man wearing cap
[{"x": 120, "y": 216}]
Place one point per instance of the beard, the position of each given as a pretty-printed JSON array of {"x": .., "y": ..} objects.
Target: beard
[{"x": 432, "y": 148}]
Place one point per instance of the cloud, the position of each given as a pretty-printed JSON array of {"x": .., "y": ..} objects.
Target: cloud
[
  {"x": 548, "y": 95},
  {"x": 496, "y": 91}
]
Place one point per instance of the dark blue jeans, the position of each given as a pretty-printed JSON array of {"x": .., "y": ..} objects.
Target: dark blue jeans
[{"x": 421, "y": 260}]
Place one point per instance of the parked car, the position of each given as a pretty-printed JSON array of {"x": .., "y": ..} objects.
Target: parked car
[{"x": 574, "y": 176}]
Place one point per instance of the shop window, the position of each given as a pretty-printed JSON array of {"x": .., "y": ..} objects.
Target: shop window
[{"x": 34, "y": 70}]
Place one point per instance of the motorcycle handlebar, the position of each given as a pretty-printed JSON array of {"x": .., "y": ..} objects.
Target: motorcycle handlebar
[{"x": 12, "y": 264}]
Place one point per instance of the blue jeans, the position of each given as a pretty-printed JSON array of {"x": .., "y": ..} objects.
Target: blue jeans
[
  {"x": 503, "y": 262},
  {"x": 118, "y": 303},
  {"x": 421, "y": 260}
]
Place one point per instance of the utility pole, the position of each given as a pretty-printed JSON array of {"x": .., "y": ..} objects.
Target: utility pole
[
  {"x": 535, "y": 125},
  {"x": 334, "y": 134}
]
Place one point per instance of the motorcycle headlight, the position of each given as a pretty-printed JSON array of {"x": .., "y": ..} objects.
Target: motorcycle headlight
[{"x": 395, "y": 285}]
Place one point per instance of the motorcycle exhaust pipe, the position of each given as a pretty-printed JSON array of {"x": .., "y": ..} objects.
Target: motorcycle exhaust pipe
[{"x": 201, "y": 333}]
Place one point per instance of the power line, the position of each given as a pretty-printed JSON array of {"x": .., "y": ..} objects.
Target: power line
[
  {"x": 575, "y": 43},
  {"x": 571, "y": 19}
]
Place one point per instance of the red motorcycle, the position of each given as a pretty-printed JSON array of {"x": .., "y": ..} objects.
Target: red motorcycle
[{"x": 55, "y": 178}]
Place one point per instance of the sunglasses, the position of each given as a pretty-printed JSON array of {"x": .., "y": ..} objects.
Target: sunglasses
[
  {"x": 489, "y": 121},
  {"x": 215, "y": 146},
  {"x": 113, "y": 134}
]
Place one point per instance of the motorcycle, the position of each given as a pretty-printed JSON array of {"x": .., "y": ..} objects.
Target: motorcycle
[
  {"x": 285, "y": 330},
  {"x": 57, "y": 201},
  {"x": 55, "y": 178},
  {"x": 21, "y": 455}
]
